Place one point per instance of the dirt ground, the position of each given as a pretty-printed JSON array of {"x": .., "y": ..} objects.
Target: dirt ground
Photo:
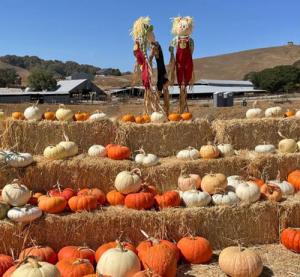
[{"x": 277, "y": 260}]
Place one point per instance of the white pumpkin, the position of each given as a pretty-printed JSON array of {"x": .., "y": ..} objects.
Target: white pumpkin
[
  {"x": 33, "y": 113},
  {"x": 34, "y": 268},
  {"x": 24, "y": 214},
  {"x": 297, "y": 114},
  {"x": 97, "y": 116},
  {"x": 286, "y": 187},
  {"x": 234, "y": 181},
  {"x": 118, "y": 262},
  {"x": 226, "y": 199},
  {"x": 254, "y": 113},
  {"x": 16, "y": 194},
  {"x": 248, "y": 192},
  {"x": 274, "y": 112},
  {"x": 57, "y": 152},
  {"x": 97, "y": 151},
  {"x": 70, "y": 146},
  {"x": 17, "y": 160},
  {"x": 195, "y": 198},
  {"x": 158, "y": 117},
  {"x": 287, "y": 146},
  {"x": 265, "y": 148},
  {"x": 188, "y": 154},
  {"x": 298, "y": 144},
  {"x": 189, "y": 182},
  {"x": 146, "y": 159},
  {"x": 128, "y": 181},
  {"x": 226, "y": 150},
  {"x": 63, "y": 113}
]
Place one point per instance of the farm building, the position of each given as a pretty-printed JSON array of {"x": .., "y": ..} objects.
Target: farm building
[{"x": 68, "y": 91}]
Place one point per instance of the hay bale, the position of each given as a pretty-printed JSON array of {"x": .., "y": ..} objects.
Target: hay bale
[
  {"x": 247, "y": 133},
  {"x": 164, "y": 139},
  {"x": 34, "y": 137}
]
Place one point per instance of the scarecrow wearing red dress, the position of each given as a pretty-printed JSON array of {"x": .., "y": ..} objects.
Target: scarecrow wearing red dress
[{"x": 182, "y": 60}]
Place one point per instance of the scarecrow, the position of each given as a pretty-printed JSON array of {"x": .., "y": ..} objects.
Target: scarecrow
[{"x": 182, "y": 60}]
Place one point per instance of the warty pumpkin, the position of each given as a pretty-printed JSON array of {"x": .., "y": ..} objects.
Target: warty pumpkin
[
  {"x": 52, "y": 204},
  {"x": 57, "y": 152},
  {"x": 74, "y": 252},
  {"x": 118, "y": 152},
  {"x": 290, "y": 238},
  {"x": 167, "y": 200},
  {"x": 74, "y": 267},
  {"x": 16, "y": 194},
  {"x": 115, "y": 198},
  {"x": 83, "y": 202},
  {"x": 43, "y": 253}
]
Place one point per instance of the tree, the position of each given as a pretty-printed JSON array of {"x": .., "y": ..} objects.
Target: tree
[
  {"x": 40, "y": 79},
  {"x": 8, "y": 76},
  {"x": 297, "y": 64}
]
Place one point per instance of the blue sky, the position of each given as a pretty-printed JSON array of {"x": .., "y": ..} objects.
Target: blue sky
[{"x": 97, "y": 31}]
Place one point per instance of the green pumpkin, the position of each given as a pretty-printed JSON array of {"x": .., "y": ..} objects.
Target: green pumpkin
[{"x": 4, "y": 207}]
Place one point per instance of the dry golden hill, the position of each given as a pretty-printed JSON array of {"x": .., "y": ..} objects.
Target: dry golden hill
[{"x": 20, "y": 71}]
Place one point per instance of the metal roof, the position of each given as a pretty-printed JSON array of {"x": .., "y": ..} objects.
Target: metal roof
[
  {"x": 68, "y": 85},
  {"x": 223, "y": 82}
]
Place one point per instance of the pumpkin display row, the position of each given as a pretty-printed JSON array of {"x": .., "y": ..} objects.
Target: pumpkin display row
[{"x": 271, "y": 112}]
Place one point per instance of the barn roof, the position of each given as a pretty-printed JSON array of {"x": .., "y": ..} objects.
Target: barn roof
[
  {"x": 69, "y": 85},
  {"x": 223, "y": 82}
]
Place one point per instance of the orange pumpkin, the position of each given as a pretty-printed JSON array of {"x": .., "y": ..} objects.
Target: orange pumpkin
[
  {"x": 18, "y": 116},
  {"x": 10, "y": 271},
  {"x": 289, "y": 113},
  {"x": 98, "y": 193},
  {"x": 118, "y": 152},
  {"x": 74, "y": 267},
  {"x": 139, "y": 119},
  {"x": 147, "y": 118},
  {"x": 271, "y": 192},
  {"x": 34, "y": 198},
  {"x": 5, "y": 263},
  {"x": 294, "y": 179},
  {"x": 49, "y": 115},
  {"x": 73, "y": 252},
  {"x": 115, "y": 198},
  {"x": 257, "y": 181},
  {"x": 110, "y": 245},
  {"x": 139, "y": 201},
  {"x": 167, "y": 200},
  {"x": 81, "y": 116},
  {"x": 186, "y": 116},
  {"x": 53, "y": 204},
  {"x": 43, "y": 253},
  {"x": 128, "y": 118},
  {"x": 290, "y": 238},
  {"x": 81, "y": 203},
  {"x": 150, "y": 188},
  {"x": 174, "y": 117},
  {"x": 195, "y": 250}
]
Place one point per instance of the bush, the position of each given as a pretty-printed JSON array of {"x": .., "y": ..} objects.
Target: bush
[
  {"x": 8, "y": 77},
  {"x": 41, "y": 79}
]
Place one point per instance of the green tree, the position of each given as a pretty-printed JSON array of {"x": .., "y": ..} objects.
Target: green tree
[
  {"x": 40, "y": 79},
  {"x": 8, "y": 76}
]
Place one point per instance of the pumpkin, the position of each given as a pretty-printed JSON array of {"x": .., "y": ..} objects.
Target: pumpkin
[
  {"x": 43, "y": 253},
  {"x": 73, "y": 252},
  {"x": 57, "y": 152},
  {"x": 139, "y": 119},
  {"x": 257, "y": 181},
  {"x": 214, "y": 183},
  {"x": 188, "y": 154},
  {"x": 74, "y": 267},
  {"x": 139, "y": 201},
  {"x": 25, "y": 214},
  {"x": 63, "y": 113},
  {"x": 289, "y": 113},
  {"x": 128, "y": 181},
  {"x": 237, "y": 262},
  {"x": 174, "y": 117},
  {"x": 158, "y": 117},
  {"x": 226, "y": 199},
  {"x": 286, "y": 188},
  {"x": 294, "y": 179},
  {"x": 271, "y": 192},
  {"x": 71, "y": 147},
  {"x": 115, "y": 198},
  {"x": 209, "y": 152},
  {"x": 5, "y": 263},
  {"x": 97, "y": 151},
  {"x": 186, "y": 116},
  {"x": 234, "y": 181},
  {"x": 128, "y": 118},
  {"x": 118, "y": 262},
  {"x": 195, "y": 250},
  {"x": 17, "y": 116},
  {"x": 49, "y": 115},
  {"x": 104, "y": 247},
  {"x": 32, "y": 267},
  {"x": 167, "y": 200},
  {"x": 189, "y": 182},
  {"x": 254, "y": 113},
  {"x": 226, "y": 150},
  {"x": 10, "y": 271},
  {"x": 195, "y": 198},
  {"x": 146, "y": 159},
  {"x": 52, "y": 204},
  {"x": 66, "y": 193},
  {"x": 33, "y": 113},
  {"x": 83, "y": 202},
  {"x": 97, "y": 193},
  {"x": 97, "y": 116},
  {"x": 118, "y": 152},
  {"x": 79, "y": 116},
  {"x": 4, "y": 207},
  {"x": 15, "y": 194},
  {"x": 274, "y": 112},
  {"x": 17, "y": 160},
  {"x": 248, "y": 192},
  {"x": 265, "y": 148},
  {"x": 147, "y": 118},
  {"x": 34, "y": 198},
  {"x": 146, "y": 273},
  {"x": 287, "y": 146},
  {"x": 290, "y": 238}
]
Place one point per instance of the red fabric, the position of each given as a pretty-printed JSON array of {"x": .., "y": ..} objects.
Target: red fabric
[
  {"x": 141, "y": 59},
  {"x": 184, "y": 62}
]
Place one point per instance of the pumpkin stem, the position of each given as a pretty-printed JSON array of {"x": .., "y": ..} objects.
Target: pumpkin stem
[
  {"x": 33, "y": 261},
  {"x": 65, "y": 136},
  {"x": 80, "y": 261},
  {"x": 281, "y": 135},
  {"x": 153, "y": 240},
  {"x": 141, "y": 151},
  {"x": 278, "y": 175},
  {"x": 136, "y": 171}
]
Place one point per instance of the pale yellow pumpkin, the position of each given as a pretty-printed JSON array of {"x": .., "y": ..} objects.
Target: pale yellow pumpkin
[{"x": 214, "y": 183}]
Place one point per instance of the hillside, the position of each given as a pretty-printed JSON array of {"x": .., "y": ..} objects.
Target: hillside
[{"x": 20, "y": 71}]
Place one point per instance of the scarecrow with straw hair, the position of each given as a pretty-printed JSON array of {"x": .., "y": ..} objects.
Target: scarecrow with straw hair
[
  {"x": 182, "y": 60},
  {"x": 144, "y": 39}
]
